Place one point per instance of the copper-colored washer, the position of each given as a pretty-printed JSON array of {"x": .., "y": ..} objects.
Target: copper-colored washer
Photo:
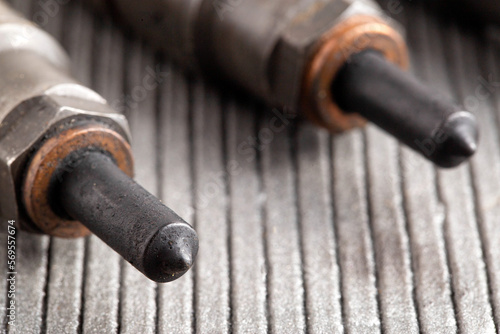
[
  {"x": 47, "y": 159},
  {"x": 354, "y": 34}
]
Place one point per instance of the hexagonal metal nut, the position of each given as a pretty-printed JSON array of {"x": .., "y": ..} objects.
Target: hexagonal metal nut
[
  {"x": 23, "y": 131},
  {"x": 299, "y": 40}
]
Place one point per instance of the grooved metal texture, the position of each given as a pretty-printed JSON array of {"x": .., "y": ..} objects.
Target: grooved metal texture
[{"x": 299, "y": 231}]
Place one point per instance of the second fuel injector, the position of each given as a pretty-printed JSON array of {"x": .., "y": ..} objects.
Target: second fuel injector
[
  {"x": 310, "y": 56},
  {"x": 66, "y": 163}
]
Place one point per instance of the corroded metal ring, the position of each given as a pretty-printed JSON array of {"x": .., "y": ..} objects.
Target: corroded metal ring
[
  {"x": 350, "y": 36},
  {"x": 47, "y": 159}
]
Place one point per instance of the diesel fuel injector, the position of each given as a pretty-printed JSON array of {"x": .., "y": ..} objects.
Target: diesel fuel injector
[
  {"x": 340, "y": 62},
  {"x": 66, "y": 162}
]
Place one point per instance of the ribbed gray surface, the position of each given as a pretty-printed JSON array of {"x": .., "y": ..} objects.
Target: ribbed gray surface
[{"x": 298, "y": 233}]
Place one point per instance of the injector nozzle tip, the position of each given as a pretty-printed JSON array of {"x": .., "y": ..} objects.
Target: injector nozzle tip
[
  {"x": 132, "y": 221},
  {"x": 171, "y": 252},
  {"x": 416, "y": 115},
  {"x": 457, "y": 140}
]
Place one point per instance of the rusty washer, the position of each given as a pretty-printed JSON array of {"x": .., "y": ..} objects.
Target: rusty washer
[
  {"x": 47, "y": 159},
  {"x": 350, "y": 36}
]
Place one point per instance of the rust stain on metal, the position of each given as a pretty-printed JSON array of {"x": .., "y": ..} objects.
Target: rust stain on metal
[
  {"x": 350, "y": 36},
  {"x": 47, "y": 159}
]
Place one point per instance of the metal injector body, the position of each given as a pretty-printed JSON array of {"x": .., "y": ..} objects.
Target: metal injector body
[
  {"x": 66, "y": 162},
  {"x": 290, "y": 52}
]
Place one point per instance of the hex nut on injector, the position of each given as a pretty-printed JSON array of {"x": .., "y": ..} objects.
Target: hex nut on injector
[
  {"x": 43, "y": 169},
  {"x": 317, "y": 46},
  {"x": 28, "y": 129},
  {"x": 351, "y": 36}
]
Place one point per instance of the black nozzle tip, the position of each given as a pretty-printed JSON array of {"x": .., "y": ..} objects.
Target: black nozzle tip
[
  {"x": 171, "y": 252},
  {"x": 413, "y": 113},
  {"x": 457, "y": 140}
]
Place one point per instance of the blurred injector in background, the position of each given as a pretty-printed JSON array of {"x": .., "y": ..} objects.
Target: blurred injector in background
[
  {"x": 66, "y": 163},
  {"x": 340, "y": 62}
]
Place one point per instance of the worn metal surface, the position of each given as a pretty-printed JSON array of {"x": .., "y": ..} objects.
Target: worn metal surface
[{"x": 352, "y": 233}]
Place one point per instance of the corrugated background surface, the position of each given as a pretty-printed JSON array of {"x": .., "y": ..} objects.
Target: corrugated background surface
[{"x": 299, "y": 231}]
